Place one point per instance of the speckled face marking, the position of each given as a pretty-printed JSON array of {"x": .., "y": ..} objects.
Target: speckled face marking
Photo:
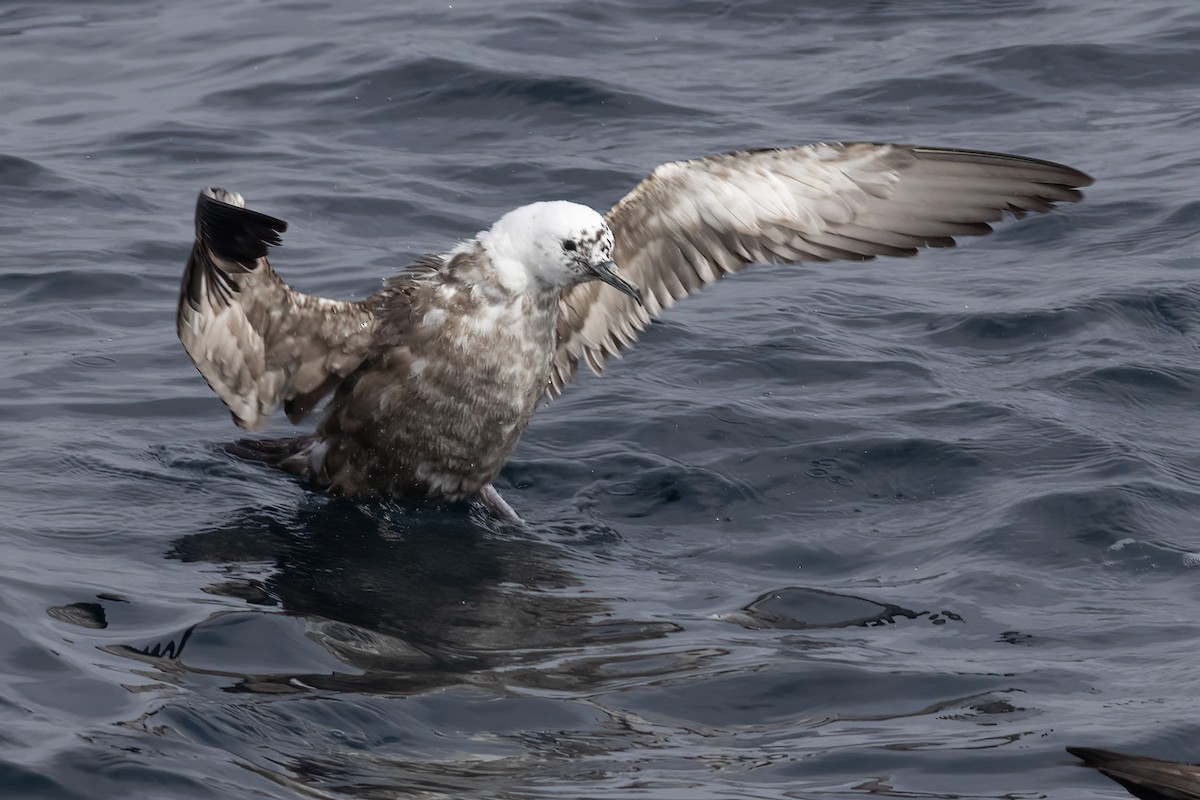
[
  {"x": 596, "y": 240},
  {"x": 589, "y": 246}
]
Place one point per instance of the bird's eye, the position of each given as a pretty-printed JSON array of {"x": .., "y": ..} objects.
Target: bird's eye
[{"x": 569, "y": 245}]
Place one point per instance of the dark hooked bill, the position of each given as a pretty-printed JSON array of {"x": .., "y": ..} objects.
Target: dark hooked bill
[{"x": 608, "y": 272}]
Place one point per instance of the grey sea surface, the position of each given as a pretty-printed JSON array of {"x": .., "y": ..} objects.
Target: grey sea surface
[{"x": 903, "y": 528}]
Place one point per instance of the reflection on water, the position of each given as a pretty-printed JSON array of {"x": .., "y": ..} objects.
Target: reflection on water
[
  {"x": 451, "y": 635},
  {"x": 472, "y": 652},
  {"x": 408, "y": 600}
]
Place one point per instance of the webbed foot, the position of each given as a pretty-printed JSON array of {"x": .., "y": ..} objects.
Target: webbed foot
[{"x": 490, "y": 500}]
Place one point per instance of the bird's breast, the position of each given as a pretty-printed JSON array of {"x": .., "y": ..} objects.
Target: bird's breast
[{"x": 445, "y": 404}]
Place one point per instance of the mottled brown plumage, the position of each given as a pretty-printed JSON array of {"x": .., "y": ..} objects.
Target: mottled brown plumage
[
  {"x": 435, "y": 377},
  {"x": 257, "y": 342},
  {"x": 429, "y": 414}
]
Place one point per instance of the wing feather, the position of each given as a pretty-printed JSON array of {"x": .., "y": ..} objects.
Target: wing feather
[
  {"x": 692, "y": 222},
  {"x": 257, "y": 342}
]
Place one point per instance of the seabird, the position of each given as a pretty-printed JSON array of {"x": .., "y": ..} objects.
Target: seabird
[
  {"x": 433, "y": 378},
  {"x": 1144, "y": 777}
]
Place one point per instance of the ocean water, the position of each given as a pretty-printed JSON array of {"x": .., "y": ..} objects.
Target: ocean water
[{"x": 902, "y": 528}]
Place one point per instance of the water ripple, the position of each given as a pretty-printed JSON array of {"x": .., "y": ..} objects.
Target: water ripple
[{"x": 948, "y": 502}]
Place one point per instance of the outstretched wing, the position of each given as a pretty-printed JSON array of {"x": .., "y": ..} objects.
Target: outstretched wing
[
  {"x": 255, "y": 341},
  {"x": 692, "y": 222}
]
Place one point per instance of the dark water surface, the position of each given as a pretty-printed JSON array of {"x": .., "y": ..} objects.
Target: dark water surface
[{"x": 903, "y": 528}]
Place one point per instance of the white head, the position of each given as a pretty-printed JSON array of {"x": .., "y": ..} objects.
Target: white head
[{"x": 553, "y": 246}]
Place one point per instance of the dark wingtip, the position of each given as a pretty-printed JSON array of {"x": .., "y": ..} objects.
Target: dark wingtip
[
  {"x": 232, "y": 232},
  {"x": 1059, "y": 174}
]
